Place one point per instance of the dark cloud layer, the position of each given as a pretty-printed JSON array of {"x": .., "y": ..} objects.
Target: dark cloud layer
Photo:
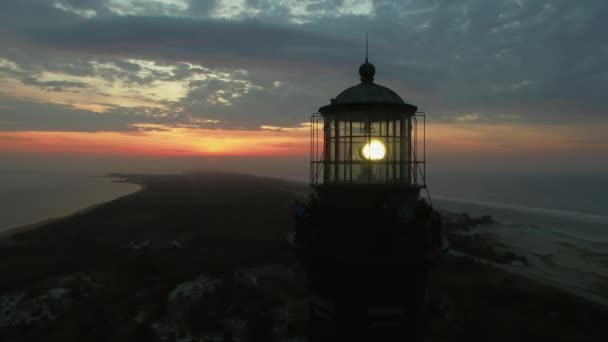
[
  {"x": 25, "y": 115},
  {"x": 539, "y": 61},
  {"x": 53, "y": 85},
  {"x": 215, "y": 43}
]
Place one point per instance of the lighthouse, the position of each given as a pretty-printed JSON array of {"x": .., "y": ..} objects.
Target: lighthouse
[{"x": 366, "y": 239}]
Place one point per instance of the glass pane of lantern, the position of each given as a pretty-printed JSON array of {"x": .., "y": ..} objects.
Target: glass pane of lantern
[
  {"x": 344, "y": 141},
  {"x": 367, "y": 152}
]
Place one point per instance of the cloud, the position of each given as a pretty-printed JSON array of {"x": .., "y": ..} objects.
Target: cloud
[
  {"x": 201, "y": 7},
  {"x": 214, "y": 43},
  {"x": 19, "y": 114},
  {"x": 53, "y": 85},
  {"x": 10, "y": 138},
  {"x": 539, "y": 61}
]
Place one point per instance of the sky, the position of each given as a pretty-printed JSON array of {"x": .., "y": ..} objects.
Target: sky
[{"x": 506, "y": 84}]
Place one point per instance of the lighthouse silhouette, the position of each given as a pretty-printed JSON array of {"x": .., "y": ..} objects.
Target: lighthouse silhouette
[{"x": 365, "y": 237}]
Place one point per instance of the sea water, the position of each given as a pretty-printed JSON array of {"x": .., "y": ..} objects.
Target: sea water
[
  {"x": 559, "y": 222},
  {"x": 571, "y": 204},
  {"x": 28, "y": 197}
]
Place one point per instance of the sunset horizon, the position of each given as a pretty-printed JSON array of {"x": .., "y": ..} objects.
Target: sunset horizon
[{"x": 237, "y": 78}]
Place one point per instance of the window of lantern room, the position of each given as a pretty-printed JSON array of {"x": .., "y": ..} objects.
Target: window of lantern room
[{"x": 367, "y": 151}]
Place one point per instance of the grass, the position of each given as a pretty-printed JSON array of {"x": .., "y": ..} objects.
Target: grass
[{"x": 227, "y": 223}]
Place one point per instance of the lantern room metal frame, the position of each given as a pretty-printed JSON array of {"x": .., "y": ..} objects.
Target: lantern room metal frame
[{"x": 337, "y": 137}]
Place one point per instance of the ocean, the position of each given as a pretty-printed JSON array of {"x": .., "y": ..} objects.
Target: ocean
[
  {"x": 558, "y": 222},
  {"x": 28, "y": 197},
  {"x": 571, "y": 204}
]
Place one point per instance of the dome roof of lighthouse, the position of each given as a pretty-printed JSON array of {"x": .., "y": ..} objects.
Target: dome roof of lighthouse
[
  {"x": 367, "y": 95},
  {"x": 367, "y": 92}
]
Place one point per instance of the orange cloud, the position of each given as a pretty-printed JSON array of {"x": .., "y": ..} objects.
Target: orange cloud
[
  {"x": 484, "y": 139},
  {"x": 167, "y": 142},
  {"x": 443, "y": 140}
]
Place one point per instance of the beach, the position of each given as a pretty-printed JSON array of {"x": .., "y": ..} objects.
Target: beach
[
  {"x": 564, "y": 249},
  {"x": 116, "y": 267}
]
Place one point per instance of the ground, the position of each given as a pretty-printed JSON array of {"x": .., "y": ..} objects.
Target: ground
[{"x": 204, "y": 257}]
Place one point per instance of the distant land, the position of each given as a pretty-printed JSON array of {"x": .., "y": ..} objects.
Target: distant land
[{"x": 204, "y": 257}]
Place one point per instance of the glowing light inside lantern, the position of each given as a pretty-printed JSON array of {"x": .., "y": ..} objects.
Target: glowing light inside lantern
[{"x": 374, "y": 150}]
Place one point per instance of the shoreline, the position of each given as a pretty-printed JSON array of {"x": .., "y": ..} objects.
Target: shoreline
[
  {"x": 8, "y": 233},
  {"x": 538, "y": 211},
  {"x": 555, "y": 261},
  {"x": 525, "y": 271},
  {"x": 183, "y": 230},
  {"x": 536, "y": 275}
]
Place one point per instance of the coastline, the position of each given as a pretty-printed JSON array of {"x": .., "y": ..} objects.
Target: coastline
[
  {"x": 183, "y": 229},
  {"x": 535, "y": 274},
  {"x": 7, "y": 233},
  {"x": 533, "y": 253}
]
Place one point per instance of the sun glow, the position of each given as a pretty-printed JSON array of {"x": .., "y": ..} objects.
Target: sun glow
[
  {"x": 159, "y": 141},
  {"x": 456, "y": 142}
]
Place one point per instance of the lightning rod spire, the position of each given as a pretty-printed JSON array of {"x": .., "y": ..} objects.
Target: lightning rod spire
[{"x": 366, "y": 45}]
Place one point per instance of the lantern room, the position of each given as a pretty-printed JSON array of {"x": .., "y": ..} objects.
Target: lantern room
[{"x": 367, "y": 135}]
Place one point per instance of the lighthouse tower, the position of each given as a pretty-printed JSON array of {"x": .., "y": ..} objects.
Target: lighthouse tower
[{"x": 366, "y": 239}]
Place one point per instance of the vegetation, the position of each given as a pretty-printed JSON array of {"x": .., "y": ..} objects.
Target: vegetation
[{"x": 121, "y": 261}]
